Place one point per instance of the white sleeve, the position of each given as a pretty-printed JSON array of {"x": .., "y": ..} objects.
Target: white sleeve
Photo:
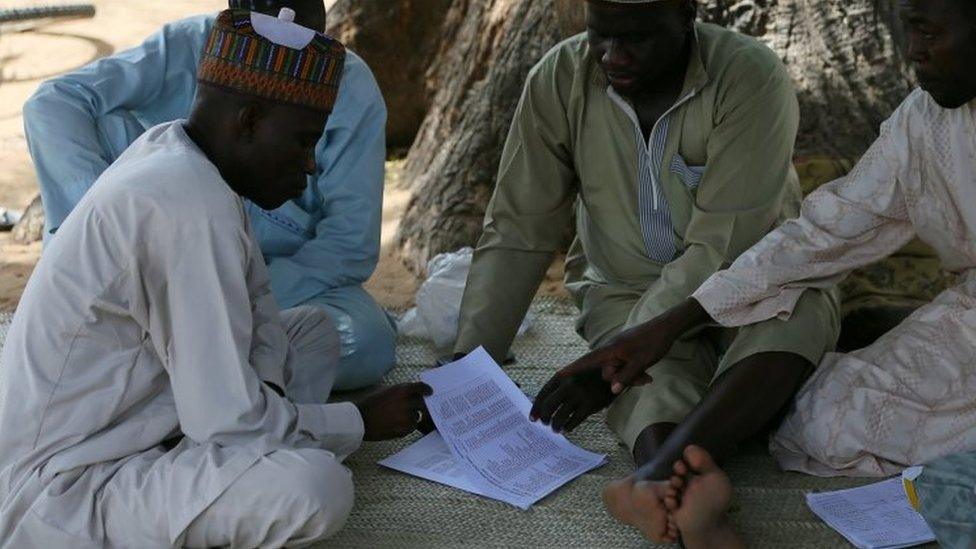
[
  {"x": 201, "y": 321},
  {"x": 846, "y": 224}
]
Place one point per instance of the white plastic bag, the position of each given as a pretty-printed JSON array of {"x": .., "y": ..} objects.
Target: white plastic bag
[
  {"x": 9, "y": 218},
  {"x": 439, "y": 300}
]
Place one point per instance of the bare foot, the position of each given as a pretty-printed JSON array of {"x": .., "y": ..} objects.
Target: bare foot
[
  {"x": 697, "y": 501},
  {"x": 640, "y": 504}
]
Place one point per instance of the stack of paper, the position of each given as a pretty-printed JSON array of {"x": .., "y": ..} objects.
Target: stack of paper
[
  {"x": 430, "y": 458},
  {"x": 486, "y": 444},
  {"x": 873, "y": 516}
]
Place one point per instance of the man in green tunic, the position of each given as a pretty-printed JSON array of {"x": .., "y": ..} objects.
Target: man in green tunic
[{"x": 671, "y": 141}]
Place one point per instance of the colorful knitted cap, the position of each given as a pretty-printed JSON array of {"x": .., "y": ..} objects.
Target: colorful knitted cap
[{"x": 272, "y": 58}]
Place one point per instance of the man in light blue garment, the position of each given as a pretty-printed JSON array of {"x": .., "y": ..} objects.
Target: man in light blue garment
[{"x": 319, "y": 249}]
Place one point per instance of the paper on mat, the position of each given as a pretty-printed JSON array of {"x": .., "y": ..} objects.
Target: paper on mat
[
  {"x": 873, "y": 516},
  {"x": 430, "y": 458},
  {"x": 483, "y": 419}
]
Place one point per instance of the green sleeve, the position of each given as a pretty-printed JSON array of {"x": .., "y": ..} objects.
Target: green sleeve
[
  {"x": 748, "y": 176},
  {"x": 527, "y": 218}
]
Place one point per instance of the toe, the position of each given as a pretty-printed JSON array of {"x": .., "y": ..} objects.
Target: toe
[
  {"x": 699, "y": 460},
  {"x": 648, "y": 503},
  {"x": 671, "y": 503},
  {"x": 680, "y": 468}
]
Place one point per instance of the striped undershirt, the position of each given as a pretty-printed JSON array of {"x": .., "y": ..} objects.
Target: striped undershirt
[{"x": 652, "y": 206}]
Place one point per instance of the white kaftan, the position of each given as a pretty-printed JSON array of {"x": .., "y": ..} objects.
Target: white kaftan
[
  {"x": 911, "y": 396},
  {"x": 149, "y": 318}
]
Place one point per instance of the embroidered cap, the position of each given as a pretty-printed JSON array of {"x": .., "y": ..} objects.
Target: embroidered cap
[{"x": 272, "y": 58}]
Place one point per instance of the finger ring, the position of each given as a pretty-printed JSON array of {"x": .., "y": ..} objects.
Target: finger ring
[{"x": 420, "y": 416}]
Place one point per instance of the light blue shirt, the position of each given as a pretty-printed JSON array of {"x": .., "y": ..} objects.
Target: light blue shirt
[{"x": 79, "y": 123}]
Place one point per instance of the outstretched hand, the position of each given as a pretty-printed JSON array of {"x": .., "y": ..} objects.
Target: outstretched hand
[
  {"x": 564, "y": 402},
  {"x": 624, "y": 361},
  {"x": 393, "y": 412}
]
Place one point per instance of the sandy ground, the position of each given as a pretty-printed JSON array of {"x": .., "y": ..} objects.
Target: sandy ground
[{"x": 30, "y": 57}]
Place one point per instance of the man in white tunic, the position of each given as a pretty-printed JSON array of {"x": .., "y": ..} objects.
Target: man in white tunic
[
  {"x": 141, "y": 383},
  {"x": 910, "y": 397}
]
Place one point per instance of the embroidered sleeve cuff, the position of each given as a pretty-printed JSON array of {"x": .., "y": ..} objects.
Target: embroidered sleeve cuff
[{"x": 730, "y": 306}]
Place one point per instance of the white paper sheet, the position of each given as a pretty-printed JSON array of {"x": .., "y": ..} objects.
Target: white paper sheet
[
  {"x": 483, "y": 420},
  {"x": 431, "y": 459},
  {"x": 873, "y": 516}
]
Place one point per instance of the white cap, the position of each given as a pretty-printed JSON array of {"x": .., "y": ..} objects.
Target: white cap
[{"x": 282, "y": 30}]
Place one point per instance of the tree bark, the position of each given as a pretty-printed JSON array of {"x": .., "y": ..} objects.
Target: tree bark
[
  {"x": 396, "y": 38},
  {"x": 843, "y": 56},
  {"x": 486, "y": 50}
]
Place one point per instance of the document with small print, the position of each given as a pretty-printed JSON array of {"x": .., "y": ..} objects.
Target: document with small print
[
  {"x": 875, "y": 516},
  {"x": 483, "y": 422},
  {"x": 430, "y": 458}
]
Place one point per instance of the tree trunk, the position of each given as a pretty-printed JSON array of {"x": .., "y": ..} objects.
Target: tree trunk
[
  {"x": 396, "y": 38},
  {"x": 486, "y": 50},
  {"x": 843, "y": 56}
]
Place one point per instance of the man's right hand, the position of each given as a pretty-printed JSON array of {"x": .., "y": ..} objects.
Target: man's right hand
[
  {"x": 564, "y": 402},
  {"x": 393, "y": 412},
  {"x": 426, "y": 424}
]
